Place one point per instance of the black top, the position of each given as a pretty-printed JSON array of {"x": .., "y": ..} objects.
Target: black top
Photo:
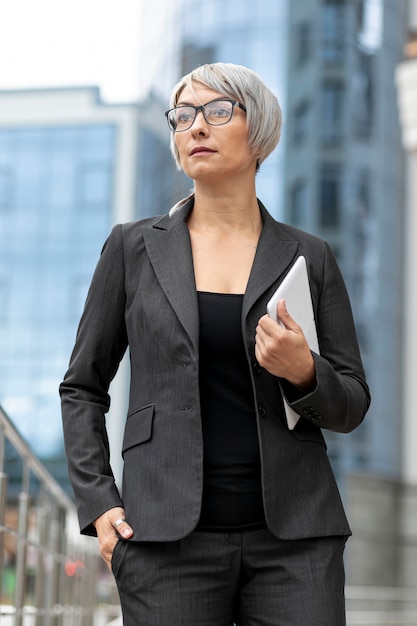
[{"x": 232, "y": 494}]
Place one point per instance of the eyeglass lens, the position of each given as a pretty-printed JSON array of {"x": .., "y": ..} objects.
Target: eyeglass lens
[{"x": 215, "y": 113}]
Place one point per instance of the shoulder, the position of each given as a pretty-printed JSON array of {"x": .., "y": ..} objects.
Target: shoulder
[
  {"x": 130, "y": 234},
  {"x": 301, "y": 236},
  {"x": 289, "y": 233},
  {"x": 320, "y": 258},
  {"x": 132, "y": 229}
]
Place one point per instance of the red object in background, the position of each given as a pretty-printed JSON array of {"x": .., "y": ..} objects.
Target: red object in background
[{"x": 72, "y": 568}]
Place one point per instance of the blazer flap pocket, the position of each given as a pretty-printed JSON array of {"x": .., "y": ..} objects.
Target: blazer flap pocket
[{"x": 138, "y": 427}]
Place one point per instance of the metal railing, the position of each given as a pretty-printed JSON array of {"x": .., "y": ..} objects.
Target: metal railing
[{"x": 49, "y": 574}]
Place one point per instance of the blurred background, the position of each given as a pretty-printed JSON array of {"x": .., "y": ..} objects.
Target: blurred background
[{"x": 84, "y": 145}]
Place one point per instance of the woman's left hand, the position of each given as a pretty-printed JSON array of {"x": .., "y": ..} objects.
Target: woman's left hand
[{"x": 283, "y": 350}]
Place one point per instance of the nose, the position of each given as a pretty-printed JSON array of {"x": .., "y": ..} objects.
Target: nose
[{"x": 199, "y": 125}]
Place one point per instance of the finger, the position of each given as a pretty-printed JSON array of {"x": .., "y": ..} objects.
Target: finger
[
  {"x": 284, "y": 317},
  {"x": 266, "y": 326},
  {"x": 121, "y": 526}
]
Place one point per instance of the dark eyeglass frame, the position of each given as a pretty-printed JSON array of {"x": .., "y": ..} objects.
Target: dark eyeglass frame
[{"x": 201, "y": 108}]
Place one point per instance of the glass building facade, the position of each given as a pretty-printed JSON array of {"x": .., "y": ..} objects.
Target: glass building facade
[
  {"x": 70, "y": 168},
  {"x": 250, "y": 33},
  {"x": 338, "y": 171},
  {"x": 56, "y": 197}
]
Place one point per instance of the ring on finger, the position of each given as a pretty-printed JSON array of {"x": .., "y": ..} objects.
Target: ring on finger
[{"x": 119, "y": 521}]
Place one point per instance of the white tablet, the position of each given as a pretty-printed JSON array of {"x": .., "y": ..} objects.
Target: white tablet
[{"x": 295, "y": 290}]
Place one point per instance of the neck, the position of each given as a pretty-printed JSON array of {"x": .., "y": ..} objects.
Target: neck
[{"x": 236, "y": 210}]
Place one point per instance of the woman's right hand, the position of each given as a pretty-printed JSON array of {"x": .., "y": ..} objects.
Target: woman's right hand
[{"x": 109, "y": 530}]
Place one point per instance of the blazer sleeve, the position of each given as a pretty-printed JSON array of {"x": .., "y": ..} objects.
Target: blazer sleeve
[
  {"x": 341, "y": 397},
  {"x": 100, "y": 344}
]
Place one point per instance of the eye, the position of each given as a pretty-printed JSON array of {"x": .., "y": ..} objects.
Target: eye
[
  {"x": 219, "y": 110},
  {"x": 184, "y": 115}
]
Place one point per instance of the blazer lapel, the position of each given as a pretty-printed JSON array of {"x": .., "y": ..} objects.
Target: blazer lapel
[
  {"x": 273, "y": 256},
  {"x": 169, "y": 249}
]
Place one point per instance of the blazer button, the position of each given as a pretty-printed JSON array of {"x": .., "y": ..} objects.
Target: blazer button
[
  {"x": 261, "y": 410},
  {"x": 312, "y": 413},
  {"x": 257, "y": 369}
]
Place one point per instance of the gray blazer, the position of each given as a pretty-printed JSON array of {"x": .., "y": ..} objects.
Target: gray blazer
[{"x": 143, "y": 296}]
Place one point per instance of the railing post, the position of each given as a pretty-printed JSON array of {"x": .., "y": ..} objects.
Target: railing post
[
  {"x": 3, "y": 493},
  {"x": 40, "y": 573},
  {"x": 21, "y": 556},
  {"x": 90, "y": 582},
  {"x": 52, "y": 580},
  {"x": 62, "y": 577}
]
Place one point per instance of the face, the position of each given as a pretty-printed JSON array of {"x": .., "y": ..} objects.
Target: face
[{"x": 213, "y": 152}]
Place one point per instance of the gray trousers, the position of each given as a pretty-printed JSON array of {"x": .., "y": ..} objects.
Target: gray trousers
[{"x": 218, "y": 579}]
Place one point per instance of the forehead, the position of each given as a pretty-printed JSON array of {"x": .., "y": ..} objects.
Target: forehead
[{"x": 198, "y": 93}]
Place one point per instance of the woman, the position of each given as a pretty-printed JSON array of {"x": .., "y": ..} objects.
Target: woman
[{"x": 226, "y": 515}]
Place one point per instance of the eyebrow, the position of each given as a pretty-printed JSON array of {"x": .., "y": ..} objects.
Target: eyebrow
[{"x": 190, "y": 104}]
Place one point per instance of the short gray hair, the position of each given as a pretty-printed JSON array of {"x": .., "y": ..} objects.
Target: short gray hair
[{"x": 264, "y": 117}]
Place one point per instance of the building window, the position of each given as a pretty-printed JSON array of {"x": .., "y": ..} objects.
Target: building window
[
  {"x": 303, "y": 43},
  {"x": 330, "y": 197},
  {"x": 95, "y": 186},
  {"x": 195, "y": 55},
  {"x": 363, "y": 192},
  {"x": 4, "y": 299},
  {"x": 77, "y": 293},
  {"x": 299, "y": 204},
  {"x": 6, "y": 187},
  {"x": 333, "y": 31},
  {"x": 332, "y": 99},
  {"x": 53, "y": 176},
  {"x": 363, "y": 86},
  {"x": 302, "y": 115}
]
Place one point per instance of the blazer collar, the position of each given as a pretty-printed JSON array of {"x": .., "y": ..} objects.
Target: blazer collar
[{"x": 169, "y": 248}]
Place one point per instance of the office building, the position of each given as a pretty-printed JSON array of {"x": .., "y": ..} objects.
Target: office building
[
  {"x": 338, "y": 173},
  {"x": 69, "y": 169}
]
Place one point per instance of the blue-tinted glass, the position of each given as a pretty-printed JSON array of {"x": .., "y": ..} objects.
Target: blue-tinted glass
[
  {"x": 4, "y": 144},
  {"x": 4, "y": 297},
  {"x": 6, "y": 188},
  {"x": 59, "y": 190},
  {"x": 47, "y": 243},
  {"x": 330, "y": 200},
  {"x": 64, "y": 140},
  {"x": 302, "y": 121},
  {"x": 95, "y": 186},
  {"x": 97, "y": 142},
  {"x": 333, "y": 33},
  {"x": 299, "y": 204},
  {"x": 332, "y": 103}
]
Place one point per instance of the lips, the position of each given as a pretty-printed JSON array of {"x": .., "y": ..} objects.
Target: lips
[{"x": 201, "y": 150}]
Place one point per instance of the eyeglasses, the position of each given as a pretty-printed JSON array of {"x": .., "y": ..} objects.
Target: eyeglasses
[{"x": 216, "y": 113}]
